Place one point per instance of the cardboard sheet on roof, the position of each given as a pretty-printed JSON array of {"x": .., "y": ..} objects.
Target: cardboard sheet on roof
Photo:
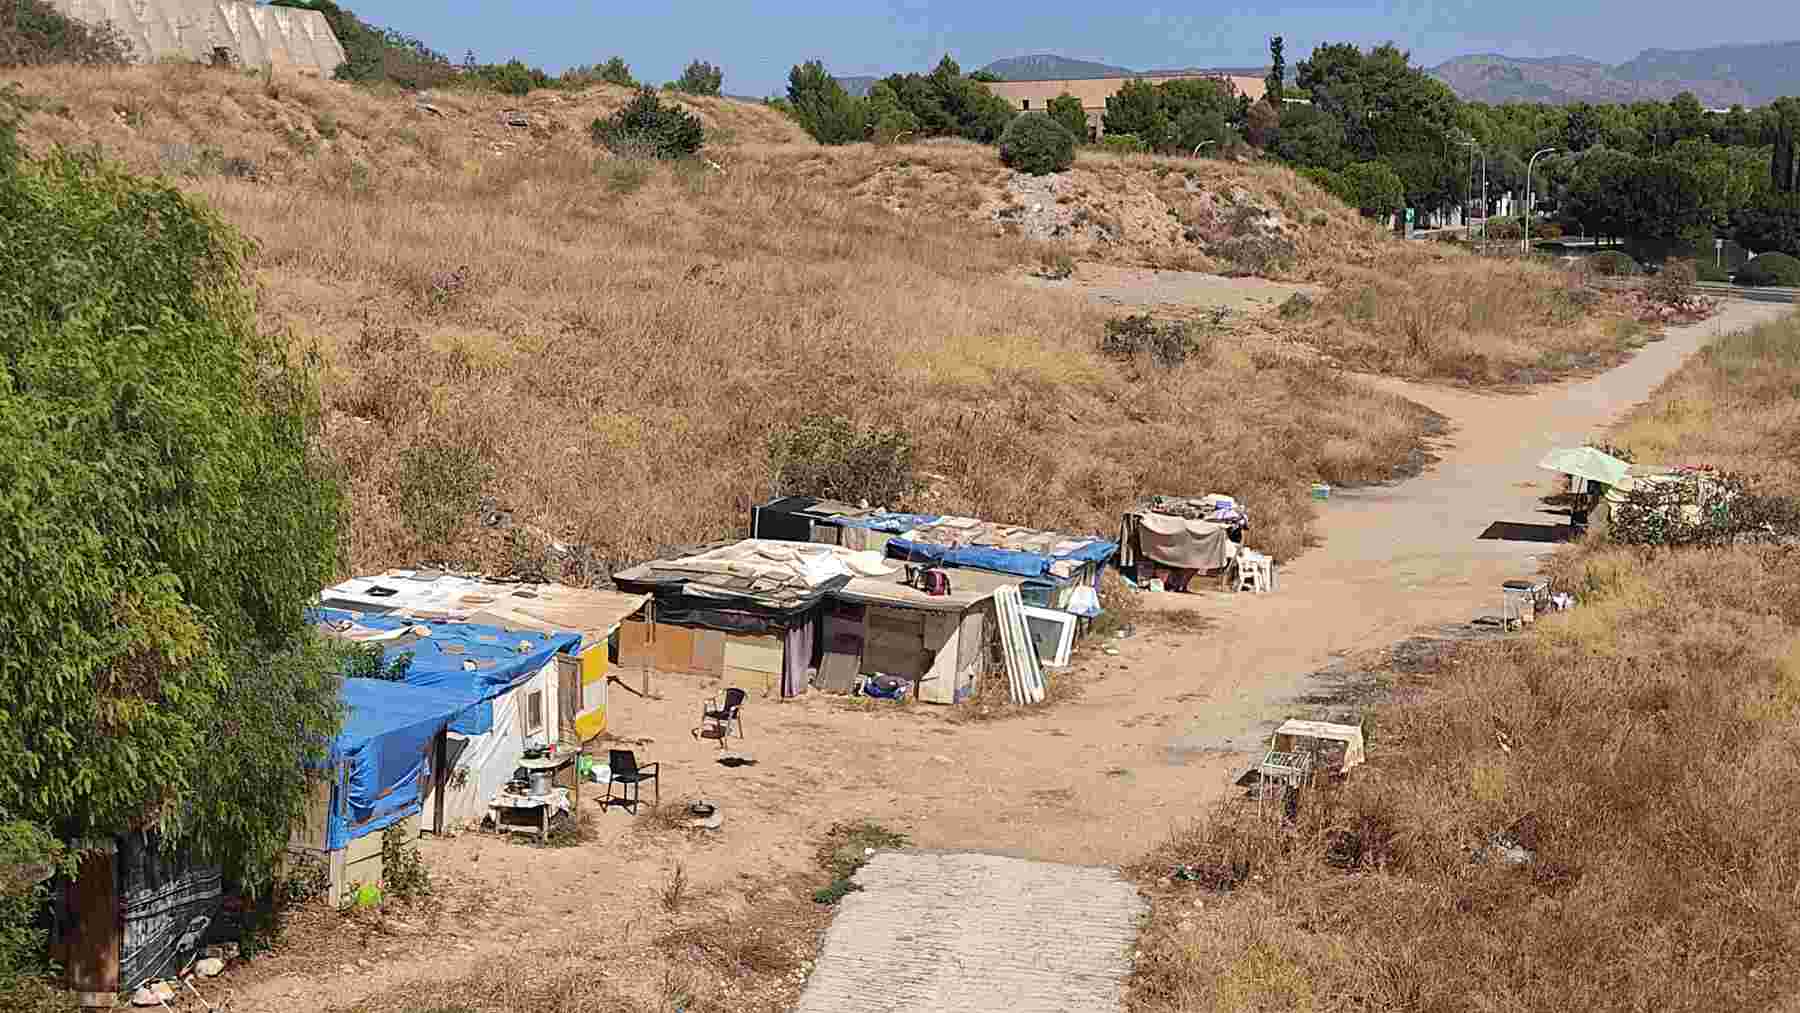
[
  {"x": 967, "y": 588},
  {"x": 544, "y": 608}
]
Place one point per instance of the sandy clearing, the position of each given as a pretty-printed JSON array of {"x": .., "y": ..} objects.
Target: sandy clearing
[{"x": 1171, "y": 293}]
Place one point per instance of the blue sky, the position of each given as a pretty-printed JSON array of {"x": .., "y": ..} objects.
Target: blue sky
[{"x": 756, "y": 43}]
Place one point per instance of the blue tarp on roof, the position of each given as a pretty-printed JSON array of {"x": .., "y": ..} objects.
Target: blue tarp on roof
[
  {"x": 481, "y": 662},
  {"x": 383, "y": 755},
  {"x": 980, "y": 557}
]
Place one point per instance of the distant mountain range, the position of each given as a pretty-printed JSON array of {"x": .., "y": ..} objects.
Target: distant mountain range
[
  {"x": 1721, "y": 76},
  {"x": 1048, "y": 67}
]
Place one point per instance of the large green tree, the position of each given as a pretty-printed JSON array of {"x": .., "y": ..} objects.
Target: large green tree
[
  {"x": 1598, "y": 196},
  {"x": 1137, "y": 109},
  {"x": 822, "y": 106},
  {"x": 1066, "y": 109},
  {"x": 165, "y": 516},
  {"x": 945, "y": 102},
  {"x": 1276, "y": 82}
]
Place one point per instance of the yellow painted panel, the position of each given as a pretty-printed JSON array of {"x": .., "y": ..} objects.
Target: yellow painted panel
[
  {"x": 590, "y": 723},
  {"x": 594, "y": 664}
]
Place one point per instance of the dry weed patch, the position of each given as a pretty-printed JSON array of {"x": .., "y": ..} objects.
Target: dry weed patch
[
  {"x": 534, "y": 355},
  {"x": 1592, "y": 816}
]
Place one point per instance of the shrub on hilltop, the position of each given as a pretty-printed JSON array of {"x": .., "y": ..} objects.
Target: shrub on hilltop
[
  {"x": 1037, "y": 144},
  {"x": 646, "y": 126}
]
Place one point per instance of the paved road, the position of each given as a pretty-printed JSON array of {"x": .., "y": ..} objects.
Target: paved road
[{"x": 975, "y": 933}]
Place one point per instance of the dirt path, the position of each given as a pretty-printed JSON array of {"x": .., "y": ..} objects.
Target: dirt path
[{"x": 1095, "y": 781}]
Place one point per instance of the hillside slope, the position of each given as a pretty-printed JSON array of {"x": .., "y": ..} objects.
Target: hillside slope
[
  {"x": 1720, "y": 76},
  {"x": 601, "y": 349}
]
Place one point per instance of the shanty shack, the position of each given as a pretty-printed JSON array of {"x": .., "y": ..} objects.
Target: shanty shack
[
  {"x": 1053, "y": 567},
  {"x": 1176, "y": 538},
  {"x": 747, "y": 612}
]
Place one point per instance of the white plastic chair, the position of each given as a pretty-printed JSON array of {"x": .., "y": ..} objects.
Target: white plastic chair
[{"x": 1256, "y": 572}]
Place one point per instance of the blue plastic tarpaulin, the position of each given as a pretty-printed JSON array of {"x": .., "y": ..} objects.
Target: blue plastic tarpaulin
[
  {"x": 981, "y": 557},
  {"x": 476, "y": 661},
  {"x": 382, "y": 758}
]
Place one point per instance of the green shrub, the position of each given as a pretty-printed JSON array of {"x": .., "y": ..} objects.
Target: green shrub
[
  {"x": 404, "y": 875},
  {"x": 1503, "y": 228},
  {"x": 1613, "y": 264},
  {"x": 1167, "y": 344},
  {"x": 1298, "y": 306},
  {"x": 1706, "y": 270},
  {"x": 646, "y": 125},
  {"x": 511, "y": 78},
  {"x": 1674, "y": 284},
  {"x": 1037, "y": 144},
  {"x": 701, "y": 78},
  {"x": 28, "y": 856},
  {"x": 831, "y": 456},
  {"x": 34, "y": 33},
  {"x": 1123, "y": 144},
  {"x": 1770, "y": 269},
  {"x": 167, "y": 519},
  {"x": 439, "y": 488}
]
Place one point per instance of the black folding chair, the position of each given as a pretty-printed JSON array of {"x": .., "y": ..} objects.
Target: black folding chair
[
  {"x": 719, "y": 722},
  {"x": 630, "y": 777}
]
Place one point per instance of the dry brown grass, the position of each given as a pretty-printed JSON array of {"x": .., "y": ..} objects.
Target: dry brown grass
[
  {"x": 1429, "y": 311},
  {"x": 1733, "y": 407},
  {"x": 609, "y": 361},
  {"x": 1645, "y": 746}
]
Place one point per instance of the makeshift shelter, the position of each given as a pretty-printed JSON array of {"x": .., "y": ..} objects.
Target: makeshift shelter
[
  {"x": 1053, "y": 564},
  {"x": 507, "y": 679},
  {"x": 1176, "y": 537},
  {"x": 746, "y": 612},
  {"x": 380, "y": 771},
  {"x": 879, "y": 625},
  {"x": 581, "y": 681},
  {"x": 1684, "y": 495}
]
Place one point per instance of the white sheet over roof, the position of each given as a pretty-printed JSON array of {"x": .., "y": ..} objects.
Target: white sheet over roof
[{"x": 542, "y": 607}]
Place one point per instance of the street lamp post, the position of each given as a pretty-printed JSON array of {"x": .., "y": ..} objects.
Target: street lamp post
[
  {"x": 1484, "y": 204},
  {"x": 1525, "y": 234}
]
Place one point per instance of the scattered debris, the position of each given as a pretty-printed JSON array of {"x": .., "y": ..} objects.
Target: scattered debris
[
  {"x": 429, "y": 108},
  {"x": 210, "y": 967}
]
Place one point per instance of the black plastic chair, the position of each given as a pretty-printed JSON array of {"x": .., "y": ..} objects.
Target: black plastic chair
[
  {"x": 719, "y": 722},
  {"x": 630, "y": 777}
]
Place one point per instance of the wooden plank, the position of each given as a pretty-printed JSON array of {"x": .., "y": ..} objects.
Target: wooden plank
[
  {"x": 635, "y": 647},
  {"x": 674, "y": 648},
  {"x": 93, "y": 956},
  {"x": 942, "y": 631},
  {"x": 709, "y": 652},
  {"x": 568, "y": 698}
]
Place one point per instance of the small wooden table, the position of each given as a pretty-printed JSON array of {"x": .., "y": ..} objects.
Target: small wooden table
[{"x": 527, "y": 814}]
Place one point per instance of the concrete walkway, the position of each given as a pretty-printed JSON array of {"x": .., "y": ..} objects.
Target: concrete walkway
[{"x": 948, "y": 933}]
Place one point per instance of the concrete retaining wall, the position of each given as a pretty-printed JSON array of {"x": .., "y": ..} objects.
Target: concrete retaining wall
[{"x": 256, "y": 37}]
